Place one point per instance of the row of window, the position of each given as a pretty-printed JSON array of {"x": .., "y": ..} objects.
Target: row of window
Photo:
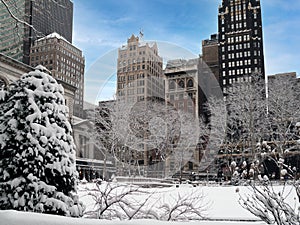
[
  {"x": 237, "y": 72},
  {"x": 241, "y": 63},
  {"x": 52, "y": 42},
  {"x": 240, "y": 38},
  {"x": 181, "y": 96},
  {"x": 237, "y": 80},
  {"x": 131, "y": 77},
  {"x": 61, "y": 49},
  {"x": 124, "y": 55},
  {"x": 180, "y": 84}
]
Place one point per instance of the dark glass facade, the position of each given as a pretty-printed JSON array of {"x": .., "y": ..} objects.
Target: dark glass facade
[{"x": 46, "y": 16}]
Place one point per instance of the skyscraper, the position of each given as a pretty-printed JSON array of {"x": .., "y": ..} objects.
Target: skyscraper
[
  {"x": 65, "y": 62},
  {"x": 138, "y": 65},
  {"x": 140, "y": 80},
  {"x": 240, "y": 41},
  {"x": 42, "y": 17}
]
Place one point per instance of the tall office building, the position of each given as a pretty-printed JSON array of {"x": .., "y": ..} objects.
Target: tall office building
[
  {"x": 240, "y": 41},
  {"x": 139, "y": 67},
  {"x": 65, "y": 62},
  {"x": 43, "y": 17},
  {"x": 139, "y": 81}
]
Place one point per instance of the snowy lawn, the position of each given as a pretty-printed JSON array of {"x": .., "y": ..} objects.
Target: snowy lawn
[
  {"x": 24, "y": 218},
  {"x": 222, "y": 201}
]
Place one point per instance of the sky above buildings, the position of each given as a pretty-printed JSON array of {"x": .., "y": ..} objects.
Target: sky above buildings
[{"x": 179, "y": 26}]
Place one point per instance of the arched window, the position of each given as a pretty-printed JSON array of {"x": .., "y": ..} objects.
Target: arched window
[
  {"x": 190, "y": 83},
  {"x": 171, "y": 85},
  {"x": 181, "y": 84}
]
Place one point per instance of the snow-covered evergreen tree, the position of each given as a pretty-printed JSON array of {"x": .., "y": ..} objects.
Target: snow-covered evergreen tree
[{"x": 37, "y": 152}]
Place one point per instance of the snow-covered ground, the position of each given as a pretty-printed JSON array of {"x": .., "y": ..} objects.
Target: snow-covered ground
[
  {"x": 25, "y": 218},
  {"x": 222, "y": 201}
]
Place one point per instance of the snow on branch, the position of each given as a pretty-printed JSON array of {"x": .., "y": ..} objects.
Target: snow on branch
[
  {"x": 19, "y": 20},
  {"x": 127, "y": 202}
]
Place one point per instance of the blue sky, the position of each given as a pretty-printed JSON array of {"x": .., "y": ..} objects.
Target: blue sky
[{"x": 101, "y": 26}]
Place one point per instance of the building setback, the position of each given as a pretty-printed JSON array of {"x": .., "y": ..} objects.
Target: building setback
[
  {"x": 65, "y": 62},
  {"x": 240, "y": 41},
  {"x": 42, "y": 17},
  {"x": 210, "y": 54}
]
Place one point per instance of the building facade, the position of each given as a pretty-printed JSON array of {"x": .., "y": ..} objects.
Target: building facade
[
  {"x": 139, "y": 69},
  {"x": 65, "y": 62},
  {"x": 240, "y": 41},
  {"x": 139, "y": 81},
  {"x": 182, "y": 89},
  {"x": 92, "y": 161},
  {"x": 11, "y": 70},
  {"x": 41, "y": 18},
  {"x": 210, "y": 54}
]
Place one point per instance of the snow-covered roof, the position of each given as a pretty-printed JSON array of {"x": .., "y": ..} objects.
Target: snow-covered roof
[
  {"x": 54, "y": 35},
  {"x": 42, "y": 69},
  {"x": 77, "y": 120}
]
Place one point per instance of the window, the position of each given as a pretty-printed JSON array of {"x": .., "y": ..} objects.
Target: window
[
  {"x": 171, "y": 85},
  {"x": 190, "y": 83},
  {"x": 181, "y": 84},
  {"x": 140, "y": 90}
]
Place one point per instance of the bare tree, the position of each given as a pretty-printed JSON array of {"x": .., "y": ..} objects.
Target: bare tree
[
  {"x": 149, "y": 131},
  {"x": 112, "y": 199},
  {"x": 187, "y": 206},
  {"x": 246, "y": 113},
  {"x": 283, "y": 112},
  {"x": 127, "y": 202}
]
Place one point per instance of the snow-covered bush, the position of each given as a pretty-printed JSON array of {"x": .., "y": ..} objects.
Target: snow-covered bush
[
  {"x": 37, "y": 152},
  {"x": 269, "y": 204}
]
